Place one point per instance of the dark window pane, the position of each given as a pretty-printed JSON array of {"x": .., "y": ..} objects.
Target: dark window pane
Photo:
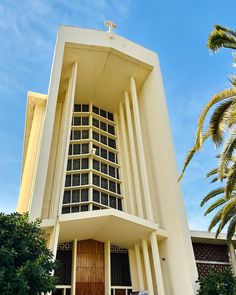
[
  {"x": 111, "y": 157},
  {"x": 85, "y": 107},
  {"x": 110, "y": 116},
  {"x": 111, "y": 129},
  {"x": 96, "y": 136},
  {"x": 104, "y": 183},
  {"x": 70, "y": 149},
  {"x": 71, "y": 135},
  {"x": 112, "y": 186},
  {"x": 68, "y": 180},
  {"x": 103, "y": 168},
  {"x": 96, "y": 164},
  {"x": 77, "y": 121},
  {"x": 75, "y": 209},
  {"x": 85, "y": 134},
  {"x": 116, "y": 159},
  {"x": 65, "y": 210},
  {"x": 84, "y": 208},
  {"x": 84, "y": 195},
  {"x": 95, "y": 110},
  {"x": 96, "y": 180},
  {"x": 75, "y": 196},
  {"x": 76, "y": 149},
  {"x": 103, "y": 153},
  {"x": 104, "y": 199},
  {"x": 66, "y": 197},
  {"x": 103, "y": 126},
  {"x": 112, "y": 202},
  {"x": 96, "y": 207},
  {"x": 95, "y": 123},
  {"x": 112, "y": 143},
  {"x": 85, "y": 120},
  {"x": 103, "y": 113},
  {"x": 103, "y": 139},
  {"x": 69, "y": 166},
  {"x": 112, "y": 171},
  {"x": 77, "y": 134},
  {"x": 96, "y": 196},
  {"x": 76, "y": 164},
  {"x": 84, "y": 163},
  {"x": 119, "y": 204},
  {"x": 76, "y": 179},
  {"x": 84, "y": 178},
  {"x": 77, "y": 108},
  {"x": 117, "y": 173},
  {"x": 85, "y": 148},
  {"x": 118, "y": 189}
]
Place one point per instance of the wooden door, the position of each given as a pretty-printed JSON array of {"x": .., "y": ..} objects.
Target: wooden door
[{"x": 90, "y": 268}]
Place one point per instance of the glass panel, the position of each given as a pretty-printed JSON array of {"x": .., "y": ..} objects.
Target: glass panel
[
  {"x": 112, "y": 202},
  {"x": 111, "y": 157},
  {"x": 84, "y": 208},
  {"x": 97, "y": 150},
  {"x": 103, "y": 153},
  {"x": 103, "y": 126},
  {"x": 118, "y": 189},
  {"x": 112, "y": 143},
  {"x": 95, "y": 136},
  {"x": 69, "y": 165},
  {"x": 84, "y": 195},
  {"x": 95, "y": 110},
  {"x": 84, "y": 178},
  {"x": 70, "y": 149},
  {"x": 76, "y": 164},
  {"x": 85, "y": 121},
  {"x": 76, "y": 149},
  {"x": 84, "y": 163},
  {"x": 95, "y": 123},
  {"x": 85, "y": 107},
  {"x": 77, "y": 134},
  {"x": 96, "y": 180},
  {"x": 85, "y": 134},
  {"x": 104, "y": 183},
  {"x": 66, "y": 197},
  {"x": 85, "y": 148},
  {"x": 75, "y": 209},
  {"x": 96, "y": 165},
  {"x": 112, "y": 171},
  {"x": 103, "y": 113},
  {"x": 103, "y": 168},
  {"x": 68, "y": 180},
  {"x": 112, "y": 186},
  {"x": 77, "y": 121},
  {"x": 96, "y": 207},
  {"x": 77, "y": 108},
  {"x": 75, "y": 196},
  {"x": 76, "y": 179},
  {"x": 104, "y": 199},
  {"x": 103, "y": 139},
  {"x": 110, "y": 116},
  {"x": 119, "y": 204},
  {"x": 111, "y": 129},
  {"x": 65, "y": 210},
  {"x": 96, "y": 196}
]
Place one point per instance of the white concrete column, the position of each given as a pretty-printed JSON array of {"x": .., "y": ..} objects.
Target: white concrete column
[
  {"x": 147, "y": 267},
  {"x": 143, "y": 169},
  {"x": 107, "y": 251},
  {"x": 125, "y": 203},
  {"x": 139, "y": 267},
  {"x": 133, "y": 270},
  {"x": 157, "y": 264},
  {"x": 90, "y": 197},
  {"x": 127, "y": 169},
  {"x": 27, "y": 182},
  {"x": 73, "y": 272},
  {"x": 232, "y": 256},
  {"x": 134, "y": 160}
]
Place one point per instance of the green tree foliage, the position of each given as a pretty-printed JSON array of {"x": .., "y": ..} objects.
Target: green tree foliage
[
  {"x": 218, "y": 283},
  {"x": 220, "y": 116},
  {"x": 26, "y": 264}
]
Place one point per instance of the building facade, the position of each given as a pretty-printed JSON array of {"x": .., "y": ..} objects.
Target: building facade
[{"x": 99, "y": 170}]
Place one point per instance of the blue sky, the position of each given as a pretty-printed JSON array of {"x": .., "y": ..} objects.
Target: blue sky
[{"x": 176, "y": 30}]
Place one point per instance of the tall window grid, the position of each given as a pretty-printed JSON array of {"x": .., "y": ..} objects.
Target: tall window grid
[{"x": 93, "y": 170}]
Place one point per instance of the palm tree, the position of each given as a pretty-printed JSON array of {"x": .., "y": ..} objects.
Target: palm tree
[{"x": 221, "y": 124}]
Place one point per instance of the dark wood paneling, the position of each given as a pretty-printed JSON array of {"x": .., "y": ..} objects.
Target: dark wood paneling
[{"x": 90, "y": 268}]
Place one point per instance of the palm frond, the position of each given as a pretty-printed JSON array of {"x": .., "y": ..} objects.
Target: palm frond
[
  {"x": 212, "y": 172},
  {"x": 231, "y": 228},
  {"x": 212, "y": 194},
  {"x": 230, "y": 181},
  {"x": 215, "y": 205},
  {"x": 221, "y": 37},
  {"x": 216, "y": 219}
]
